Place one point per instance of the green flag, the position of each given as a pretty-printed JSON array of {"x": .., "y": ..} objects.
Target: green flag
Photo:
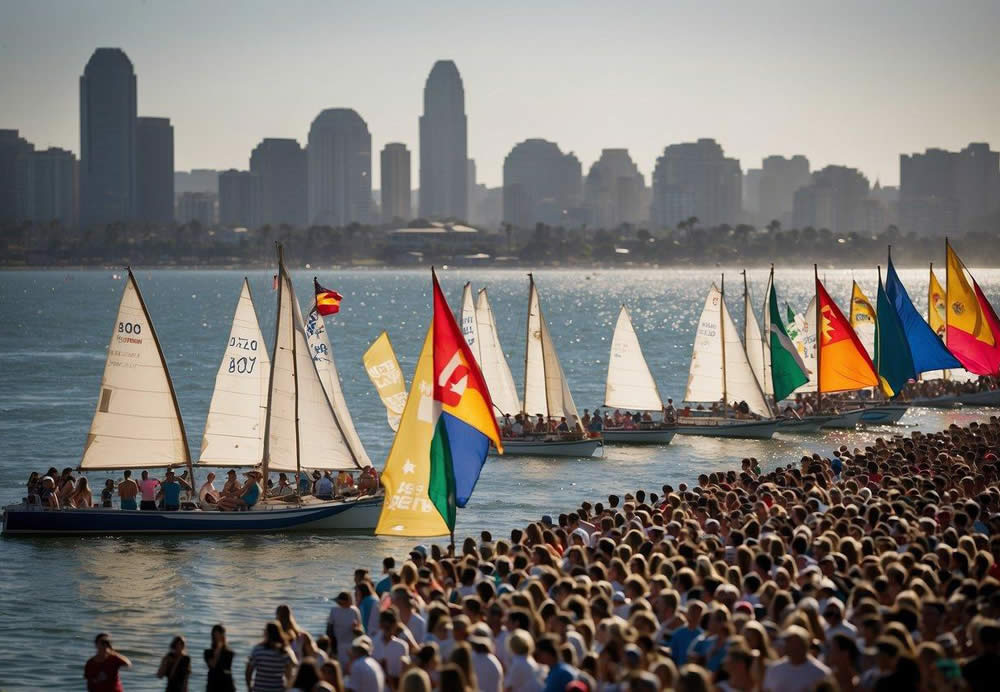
[
  {"x": 787, "y": 369},
  {"x": 893, "y": 361}
]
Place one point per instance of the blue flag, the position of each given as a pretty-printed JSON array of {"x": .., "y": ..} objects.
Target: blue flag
[
  {"x": 892, "y": 357},
  {"x": 926, "y": 348}
]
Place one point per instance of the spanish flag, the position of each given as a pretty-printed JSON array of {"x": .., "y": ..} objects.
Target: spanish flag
[
  {"x": 327, "y": 301},
  {"x": 970, "y": 320},
  {"x": 844, "y": 365}
]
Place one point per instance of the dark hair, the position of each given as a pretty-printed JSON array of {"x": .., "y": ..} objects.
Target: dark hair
[{"x": 308, "y": 676}]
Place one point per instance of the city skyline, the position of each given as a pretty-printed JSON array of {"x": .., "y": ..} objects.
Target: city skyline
[{"x": 895, "y": 91}]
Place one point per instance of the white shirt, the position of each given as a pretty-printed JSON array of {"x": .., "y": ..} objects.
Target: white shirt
[
  {"x": 343, "y": 621},
  {"x": 489, "y": 673},
  {"x": 500, "y": 646},
  {"x": 524, "y": 674},
  {"x": 784, "y": 676},
  {"x": 366, "y": 676},
  {"x": 390, "y": 654},
  {"x": 844, "y": 627},
  {"x": 579, "y": 644},
  {"x": 418, "y": 627}
]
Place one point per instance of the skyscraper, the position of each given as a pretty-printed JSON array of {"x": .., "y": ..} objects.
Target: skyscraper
[
  {"x": 780, "y": 178},
  {"x": 696, "y": 179},
  {"x": 395, "y": 182},
  {"x": 340, "y": 168},
  {"x": 443, "y": 145},
  {"x": 107, "y": 138},
  {"x": 836, "y": 199},
  {"x": 613, "y": 190},
  {"x": 154, "y": 139},
  {"x": 239, "y": 199},
  {"x": 281, "y": 166},
  {"x": 13, "y": 182},
  {"x": 540, "y": 185},
  {"x": 51, "y": 190}
]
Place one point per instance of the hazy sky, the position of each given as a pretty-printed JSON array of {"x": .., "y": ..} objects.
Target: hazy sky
[{"x": 843, "y": 82}]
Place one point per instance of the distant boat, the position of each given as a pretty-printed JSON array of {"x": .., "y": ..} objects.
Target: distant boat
[
  {"x": 480, "y": 330},
  {"x": 546, "y": 392},
  {"x": 721, "y": 372},
  {"x": 630, "y": 386}
]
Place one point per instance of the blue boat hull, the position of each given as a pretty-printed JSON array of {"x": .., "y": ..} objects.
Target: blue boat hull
[
  {"x": 359, "y": 516},
  {"x": 883, "y": 415}
]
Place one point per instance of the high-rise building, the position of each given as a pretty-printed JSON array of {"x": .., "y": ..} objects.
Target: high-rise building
[
  {"x": 395, "y": 169},
  {"x": 780, "y": 178},
  {"x": 613, "y": 190},
  {"x": 281, "y": 166},
  {"x": 836, "y": 199},
  {"x": 695, "y": 179},
  {"x": 239, "y": 199},
  {"x": 541, "y": 184},
  {"x": 51, "y": 193},
  {"x": 154, "y": 138},
  {"x": 13, "y": 181},
  {"x": 107, "y": 138},
  {"x": 443, "y": 145},
  {"x": 197, "y": 206},
  {"x": 751, "y": 194},
  {"x": 340, "y": 168}
]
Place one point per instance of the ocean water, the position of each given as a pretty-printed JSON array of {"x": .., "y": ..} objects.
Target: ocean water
[{"x": 56, "y": 593}]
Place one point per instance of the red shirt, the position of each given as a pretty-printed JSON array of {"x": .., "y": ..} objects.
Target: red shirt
[{"x": 102, "y": 676}]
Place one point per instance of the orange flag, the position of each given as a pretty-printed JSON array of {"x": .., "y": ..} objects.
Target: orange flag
[
  {"x": 844, "y": 364},
  {"x": 968, "y": 327}
]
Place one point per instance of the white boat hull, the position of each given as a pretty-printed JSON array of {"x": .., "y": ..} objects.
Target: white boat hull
[
  {"x": 987, "y": 398},
  {"x": 888, "y": 414},
  {"x": 811, "y": 424},
  {"x": 948, "y": 401},
  {"x": 845, "y": 421},
  {"x": 550, "y": 448},
  {"x": 652, "y": 436},
  {"x": 727, "y": 427}
]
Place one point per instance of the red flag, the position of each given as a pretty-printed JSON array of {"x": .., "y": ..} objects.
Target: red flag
[{"x": 327, "y": 301}]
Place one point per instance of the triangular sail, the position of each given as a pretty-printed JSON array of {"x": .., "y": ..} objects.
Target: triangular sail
[
  {"x": 936, "y": 311},
  {"x": 766, "y": 332},
  {"x": 234, "y": 428},
  {"x": 137, "y": 421},
  {"x": 545, "y": 387},
  {"x": 969, "y": 333},
  {"x": 630, "y": 384},
  {"x": 863, "y": 318},
  {"x": 786, "y": 367},
  {"x": 326, "y": 366},
  {"x": 927, "y": 351},
  {"x": 805, "y": 344},
  {"x": 844, "y": 365},
  {"x": 470, "y": 327},
  {"x": 753, "y": 340},
  {"x": 893, "y": 359},
  {"x": 493, "y": 362},
  {"x": 741, "y": 382}
]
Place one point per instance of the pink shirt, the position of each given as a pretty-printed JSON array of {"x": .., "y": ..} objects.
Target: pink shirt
[{"x": 148, "y": 488}]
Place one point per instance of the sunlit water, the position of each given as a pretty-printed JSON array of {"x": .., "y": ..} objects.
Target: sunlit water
[{"x": 56, "y": 593}]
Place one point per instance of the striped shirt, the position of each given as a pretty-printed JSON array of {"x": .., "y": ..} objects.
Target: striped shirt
[{"x": 269, "y": 668}]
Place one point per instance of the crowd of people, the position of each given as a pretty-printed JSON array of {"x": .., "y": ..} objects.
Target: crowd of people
[
  {"x": 874, "y": 569},
  {"x": 55, "y": 490},
  {"x": 939, "y": 387}
]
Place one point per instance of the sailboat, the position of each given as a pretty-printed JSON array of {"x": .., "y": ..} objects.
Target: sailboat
[
  {"x": 630, "y": 386},
  {"x": 547, "y": 393},
  {"x": 491, "y": 358},
  {"x": 138, "y": 424},
  {"x": 721, "y": 372}
]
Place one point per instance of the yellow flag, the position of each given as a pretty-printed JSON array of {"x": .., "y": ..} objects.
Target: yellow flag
[
  {"x": 862, "y": 312},
  {"x": 935, "y": 306},
  {"x": 408, "y": 510},
  {"x": 384, "y": 372},
  {"x": 963, "y": 311}
]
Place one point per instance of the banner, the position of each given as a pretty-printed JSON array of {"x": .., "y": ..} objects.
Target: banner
[{"x": 384, "y": 372}]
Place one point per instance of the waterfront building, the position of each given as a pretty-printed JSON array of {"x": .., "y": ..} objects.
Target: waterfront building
[
  {"x": 444, "y": 145},
  {"x": 155, "y": 170},
  {"x": 695, "y": 179},
  {"x": 339, "y": 154},
  {"x": 395, "y": 190},
  {"x": 541, "y": 184},
  {"x": 282, "y": 170}
]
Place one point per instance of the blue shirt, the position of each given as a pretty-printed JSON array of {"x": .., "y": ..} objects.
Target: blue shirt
[
  {"x": 251, "y": 495},
  {"x": 384, "y": 585},
  {"x": 680, "y": 642},
  {"x": 560, "y": 675},
  {"x": 171, "y": 493},
  {"x": 703, "y": 645},
  {"x": 366, "y": 605}
]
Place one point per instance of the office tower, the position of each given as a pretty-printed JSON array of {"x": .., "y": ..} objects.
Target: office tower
[
  {"x": 239, "y": 199},
  {"x": 695, "y": 179},
  {"x": 443, "y": 145},
  {"x": 13, "y": 182},
  {"x": 395, "y": 167},
  {"x": 613, "y": 190},
  {"x": 779, "y": 179},
  {"x": 836, "y": 199},
  {"x": 154, "y": 139},
  {"x": 541, "y": 184},
  {"x": 281, "y": 166},
  {"x": 197, "y": 206},
  {"x": 107, "y": 138},
  {"x": 51, "y": 189},
  {"x": 340, "y": 165}
]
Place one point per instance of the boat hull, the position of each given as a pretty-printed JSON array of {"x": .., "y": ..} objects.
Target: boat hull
[
  {"x": 987, "y": 398},
  {"x": 748, "y": 430},
  {"x": 948, "y": 401},
  {"x": 811, "y": 424},
  {"x": 550, "y": 448},
  {"x": 884, "y": 415},
  {"x": 653, "y": 436},
  {"x": 355, "y": 516},
  {"x": 845, "y": 421}
]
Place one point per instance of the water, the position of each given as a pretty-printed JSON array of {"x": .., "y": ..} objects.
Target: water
[{"x": 54, "y": 328}]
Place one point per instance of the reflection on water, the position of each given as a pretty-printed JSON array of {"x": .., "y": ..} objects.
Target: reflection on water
[{"x": 57, "y": 593}]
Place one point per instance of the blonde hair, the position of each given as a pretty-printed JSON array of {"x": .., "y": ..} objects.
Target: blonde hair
[
  {"x": 415, "y": 680},
  {"x": 520, "y": 643}
]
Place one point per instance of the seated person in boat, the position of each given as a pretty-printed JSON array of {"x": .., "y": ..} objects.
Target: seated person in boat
[
  {"x": 563, "y": 426},
  {"x": 596, "y": 423},
  {"x": 305, "y": 484},
  {"x": 67, "y": 487},
  {"x": 608, "y": 420},
  {"x": 170, "y": 492},
  {"x": 47, "y": 495},
  {"x": 81, "y": 497},
  {"x": 186, "y": 488},
  {"x": 628, "y": 423},
  {"x": 669, "y": 412},
  {"x": 248, "y": 496},
  {"x": 586, "y": 419},
  {"x": 646, "y": 418},
  {"x": 576, "y": 426},
  {"x": 107, "y": 494},
  {"x": 344, "y": 485},
  {"x": 517, "y": 429},
  {"x": 507, "y": 428},
  {"x": 128, "y": 490},
  {"x": 368, "y": 482},
  {"x": 232, "y": 487},
  {"x": 540, "y": 427},
  {"x": 686, "y": 412},
  {"x": 323, "y": 487},
  {"x": 208, "y": 495},
  {"x": 715, "y": 410},
  {"x": 283, "y": 489}
]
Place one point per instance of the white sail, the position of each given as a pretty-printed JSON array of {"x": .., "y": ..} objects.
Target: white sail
[
  {"x": 234, "y": 428},
  {"x": 754, "y": 343},
  {"x": 720, "y": 370},
  {"x": 805, "y": 344},
  {"x": 470, "y": 327},
  {"x": 630, "y": 384},
  {"x": 545, "y": 387},
  {"x": 137, "y": 421},
  {"x": 326, "y": 366},
  {"x": 766, "y": 336},
  {"x": 316, "y": 439},
  {"x": 493, "y": 362}
]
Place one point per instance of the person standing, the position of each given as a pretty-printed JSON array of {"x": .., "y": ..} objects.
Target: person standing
[
  {"x": 147, "y": 486},
  {"x": 170, "y": 493},
  {"x": 269, "y": 668},
  {"x": 344, "y": 617},
  {"x": 219, "y": 660},
  {"x": 176, "y": 666},
  {"x": 127, "y": 490},
  {"x": 101, "y": 670}
]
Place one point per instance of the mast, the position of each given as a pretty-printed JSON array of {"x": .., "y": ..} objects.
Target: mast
[
  {"x": 878, "y": 351},
  {"x": 746, "y": 303},
  {"x": 295, "y": 379},
  {"x": 266, "y": 456},
  {"x": 722, "y": 335},
  {"x": 819, "y": 343},
  {"x": 527, "y": 345}
]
